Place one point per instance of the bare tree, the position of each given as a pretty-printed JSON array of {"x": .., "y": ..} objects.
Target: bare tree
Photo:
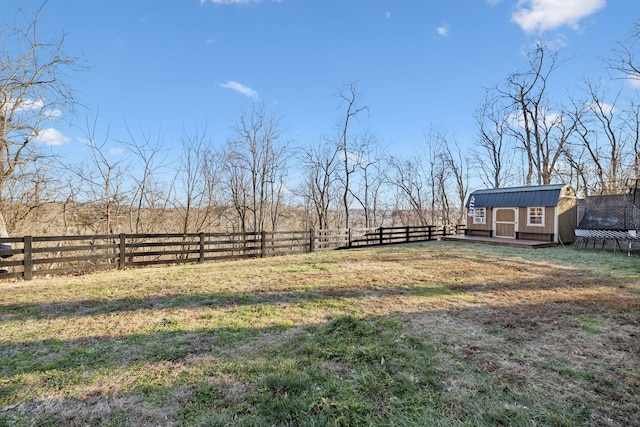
[
  {"x": 321, "y": 161},
  {"x": 605, "y": 154},
  {"x": 438, "y": 175},
  {"x": 626, "y": 62},
  {"x": 440, "y": 206},
  {"x": 541, "y": 132},
  {"x": 457, "y": 165},
  {"x": 198, "y": 181},
  {"x": 601, "y": 136},
  {"x": 149, "y": 200},
  {"x": 370, "y": 163},
  {"x": 624, "y": 58},
  {"x": 276, "y": 192},
  {"x": 411, "y": 181},
  {"x": 238, "y": 185},
  {"x": 426, "y": 183},
  {"x": 350, "y": 97},
  {"x": 256, "y": 163},
  {"x": 437, "y": 179},
  {"x": 32, "y": 188},
  {"x": 33, "y": 92},
  {"x": 70, "y": 203},
  {"x": 103, "y": 176},
  {"x": 494, "y": 155},
  {"x": 633, "y": 132}
]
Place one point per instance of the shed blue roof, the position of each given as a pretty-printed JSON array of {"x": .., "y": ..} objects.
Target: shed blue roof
[{"x": 536, "y": 195}]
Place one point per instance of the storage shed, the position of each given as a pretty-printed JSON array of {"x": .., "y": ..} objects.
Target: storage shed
[{"x": 543, "y": 212}]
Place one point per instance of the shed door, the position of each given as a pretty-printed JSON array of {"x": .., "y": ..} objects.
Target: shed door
[{"x": 505, "y": 223}]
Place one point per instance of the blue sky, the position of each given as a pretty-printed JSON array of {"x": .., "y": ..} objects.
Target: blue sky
[{"x": 162, "y": 66}]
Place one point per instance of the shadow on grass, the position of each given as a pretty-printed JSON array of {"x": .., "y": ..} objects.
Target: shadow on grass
[
  {"x": 536, "y": 277},
  {"x": 123, "y": 351},
  {"x": 166, "y": 341},
  {"x": 349, "y": 371},
  {"x": 94, "y": 307}
]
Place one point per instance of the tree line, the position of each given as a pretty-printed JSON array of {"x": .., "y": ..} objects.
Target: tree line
[
  {"x": 592, "y": 142},
  {"x": 258, "y": 180}
]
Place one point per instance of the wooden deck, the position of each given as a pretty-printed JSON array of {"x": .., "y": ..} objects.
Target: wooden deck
[{"x": 517, "y": 243}]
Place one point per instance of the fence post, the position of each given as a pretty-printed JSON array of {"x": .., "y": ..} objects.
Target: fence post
[
  {"x": 429, "y": 227},
  {"x": 123, "y": 251},
  {"x": 263, "y": 243},
  {"x": 381, "y": 234},
  {"x": 28, "y": 257},
  {"x": 201, "y": 258},
  {"x": 312, "y": 238},
  {"x": 444, "y": 231},
  {"x": 407, "y": 233},
  {"x": 349, "y": 236}
]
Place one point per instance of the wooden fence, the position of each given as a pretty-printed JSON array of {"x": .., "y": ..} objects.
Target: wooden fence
[{"x": 31, "y": 256}]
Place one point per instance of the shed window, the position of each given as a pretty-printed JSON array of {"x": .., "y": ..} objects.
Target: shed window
[
  {"x": 480, "y": 216},
  {"x": 536, "y": 216}
]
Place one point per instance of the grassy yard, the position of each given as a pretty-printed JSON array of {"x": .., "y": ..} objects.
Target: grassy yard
[{"x": 434, "y": 334}]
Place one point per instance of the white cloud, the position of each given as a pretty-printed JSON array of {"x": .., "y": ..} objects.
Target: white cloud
[
  {"x": 542, "y": 15},
  {"x": 443, "y": 30},
  {"x": 557, "y": 43},
  {"x": 352, "y": 158},
  {"x": 51, "y": 136},
  {"x": 240, "y": 88},
  {"x": 53, "y": 113},
  {"x": 38, "y": 106},
  {"x": 387, "y": 15},
  {"x": 28, "y": 105},
  {"x": 547, "y": 118},
  {"x": 634, "y": 82},
  {"x": 607, "y": 109}
]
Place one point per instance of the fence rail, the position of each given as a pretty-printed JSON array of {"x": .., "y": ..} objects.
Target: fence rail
[
  {"x": 390, "y": 235},
  {"x": 31, "y": 256}
]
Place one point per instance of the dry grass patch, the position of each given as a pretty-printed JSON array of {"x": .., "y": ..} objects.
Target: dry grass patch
[{"x": 422, "y": 334}]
